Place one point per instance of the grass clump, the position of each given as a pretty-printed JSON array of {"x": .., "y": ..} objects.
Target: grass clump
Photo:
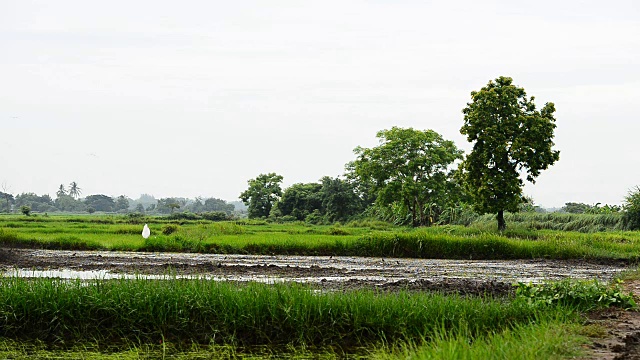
[
  {"x": 169, "y": 229},
  {"x": 205, "y": 312},
  {"x": 546, "y": 340}
]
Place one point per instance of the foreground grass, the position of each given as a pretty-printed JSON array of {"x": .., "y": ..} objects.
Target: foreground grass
[
  {"x": 205, "y": 312},
  {"x": 548, "y": 340},
  {"x": 191, "y": 318}
]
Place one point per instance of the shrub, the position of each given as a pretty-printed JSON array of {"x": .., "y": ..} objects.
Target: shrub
[
  {"x": 585, "y": 294},
  {"x": 26, "y": 210},
  {"x": 215, "y": 216},
  {"x": 135, "y": 218},
  {"x": 169, "y": 229},
  {"x": 184, "y": 216},
  {"x": 631, "y": 217}
]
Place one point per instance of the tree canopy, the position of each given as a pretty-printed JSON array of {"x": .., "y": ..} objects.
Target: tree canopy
[
  {"x": 409, "y": 170},
  {"x": 100, "y": 202},
  {"x": 509, "y": 136},
  {"x": 262, "y": 193}
]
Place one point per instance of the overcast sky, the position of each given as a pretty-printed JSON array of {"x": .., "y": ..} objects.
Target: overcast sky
[{"x": 194, "y": 98}]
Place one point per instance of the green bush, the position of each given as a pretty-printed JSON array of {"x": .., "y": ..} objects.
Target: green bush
[
  {"x": 169, "y": 229},
  {"x": 631, "y": 217},
  {"x": 583, "y": 294},
  {"x": 184, "y": 216},
  {"x": 26, "y": 210},
  {"x": 215, "y": 216}
]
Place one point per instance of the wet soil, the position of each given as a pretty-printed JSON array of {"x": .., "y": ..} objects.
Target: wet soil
[
  {"x": 621, "y": 340},
  {"x": 331, "y": 273}
]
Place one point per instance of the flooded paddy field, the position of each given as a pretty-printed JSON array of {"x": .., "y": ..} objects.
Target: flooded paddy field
[{"x": 331, "y": 273}]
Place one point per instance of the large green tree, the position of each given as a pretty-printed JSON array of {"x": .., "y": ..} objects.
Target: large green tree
[
  {"x": 408, "y": 171},
  {"x": 509, "y": 136},
  {"x": 100, "y": 202},
  {"x": 67, "y": 203},
  {"x": 339, "y": 199},
  {"x": 121, "y": 203},
  {"x": 263, "y": 192},
  {"x": 300, "y": 200}
]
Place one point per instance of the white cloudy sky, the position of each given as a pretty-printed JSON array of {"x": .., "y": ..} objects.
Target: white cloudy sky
[{"x": 188, "y": 98}]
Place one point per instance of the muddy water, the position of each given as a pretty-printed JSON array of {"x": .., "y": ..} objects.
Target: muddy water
[{"x": 305, "y": 269}]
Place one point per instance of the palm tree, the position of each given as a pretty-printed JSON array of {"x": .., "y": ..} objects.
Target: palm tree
[
  {"x": 74, "y": 190},
  {"x": 61, "y": 191}
]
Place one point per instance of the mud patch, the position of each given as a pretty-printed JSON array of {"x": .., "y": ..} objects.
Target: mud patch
[
  {"x": 621, "y": 340},
  {"x": 324, "y": 272}
]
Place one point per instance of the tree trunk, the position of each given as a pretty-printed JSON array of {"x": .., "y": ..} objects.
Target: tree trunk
[{"x": 501, "y": 224}]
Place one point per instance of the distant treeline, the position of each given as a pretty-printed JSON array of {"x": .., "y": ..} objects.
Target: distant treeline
[{"x": 145, "y": 204}]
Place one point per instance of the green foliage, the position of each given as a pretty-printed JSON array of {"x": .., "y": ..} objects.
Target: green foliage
[
  {"x": 122, "y": 203},
  {"x": 135, "y": 218},
  {"x": 6, "y": 200},
  {"x": 364, "y": 237},
  {"x": 186, "y": 312},
  {"x": 100, "y": 202},
  {"x": 408, "y": 170},
  {"x": 169, "y": 205},
  {"x": 169, "y": 229},
  {"x": 458, "y": 214},
  {"x": 586, "y": 223},
  {"x": 216, "y": 216},
  {"x": 37, "y": 203},
  {"x": 26, "y": 210},
  {"x": 300, "y": 200},
  {"x": 263, "y": 192},
  {"x": 632, "y": 209},
  {"x": 555, "y": 339},
  {"x": 74, "y": 190},
  {"x": 575, "y": 208},
  {"x": 509, "y": 135},
  {"x": 339, "y": 199},
  {"x": 583, "y": 294},
  {"x": 69, "y": 204},
  {"x": 606, "y": 209},
  {"x": 184, "y": 216}
]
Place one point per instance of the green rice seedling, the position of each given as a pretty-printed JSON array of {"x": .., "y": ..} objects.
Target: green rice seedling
[
  {"x": 125, "y": 229},
  {"x": 7, "y": 236},
  {"x": 181, "y": 312},
  {"x": 545, "y": 340}
]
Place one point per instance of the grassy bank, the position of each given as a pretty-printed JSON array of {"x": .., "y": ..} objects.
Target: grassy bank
[
  {"x": 362, "y": 239},
  {"x": 193, "y": 314}
]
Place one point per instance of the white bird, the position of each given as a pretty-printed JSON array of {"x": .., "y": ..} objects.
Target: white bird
[{"x": 146, "y": 232}]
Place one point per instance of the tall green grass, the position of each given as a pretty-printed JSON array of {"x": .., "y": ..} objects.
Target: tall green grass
[
  {"x": 205, "y": 312},
  {"x": 519, "y": 241},
  {"x": 555, "y": 221},
  {"x": 545, "y": 340}
]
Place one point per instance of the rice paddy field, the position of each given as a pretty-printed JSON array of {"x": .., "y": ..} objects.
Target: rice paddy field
[{"x": 176, "y": 317}]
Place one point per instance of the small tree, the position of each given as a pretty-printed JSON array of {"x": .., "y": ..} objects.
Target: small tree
[
  {"x": 25, "y": 210},
  {"x": 509, "y": 135}
]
